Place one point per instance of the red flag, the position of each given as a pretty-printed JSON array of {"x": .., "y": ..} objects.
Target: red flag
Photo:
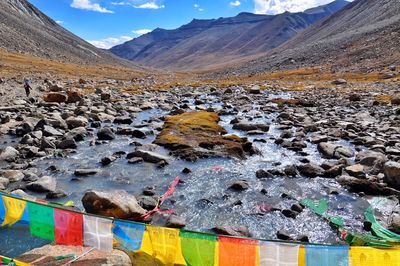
[{"x": 69, "y": 228}]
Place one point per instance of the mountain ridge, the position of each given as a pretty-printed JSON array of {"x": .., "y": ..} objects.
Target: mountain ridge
[
  {"x": 202, "y": 43},
  {"x": 363, "y": 35},
  {"x": 25, "y": 29}
]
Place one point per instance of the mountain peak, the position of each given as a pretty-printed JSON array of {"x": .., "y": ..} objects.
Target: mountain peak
[{"x": 210, "y": 41}]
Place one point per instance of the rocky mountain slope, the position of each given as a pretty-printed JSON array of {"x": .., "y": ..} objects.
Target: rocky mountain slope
[
  {"x": 25, "y": 29},
  {"x": 364, "y": 35},
  {"x": 203, "y": 43}
]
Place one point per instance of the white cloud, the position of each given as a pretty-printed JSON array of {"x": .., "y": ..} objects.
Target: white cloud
[
  {"x": 235, "y": 3},
  {"x": 273, "y": 7},
  {"x": 143, "y": 4},
  {"x": 59, "y": 22},
  {"x": 197, "y": 6},
  {"x": 88, "y": 5},
  {"x": 142, "y": 31},
  {"x": 107, "y": 43},
  {"x": 149, "y": 5}
]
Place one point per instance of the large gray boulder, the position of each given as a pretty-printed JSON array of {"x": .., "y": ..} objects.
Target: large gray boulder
[
  {"x": 373, "y": 161},
  {"x": 392, "y": 174},
  {"x": 4, "y": 183},
  {"x": 9, "y": 154},
  {"x": 12, "y": 175},
  {"x": 74, "y": 122},
  {"x": 43, "y": 185},
  {"x": 117, "y": 204},
  {"x": 335, "y": 151}
]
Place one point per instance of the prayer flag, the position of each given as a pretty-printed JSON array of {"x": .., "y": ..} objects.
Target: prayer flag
[
  {"x": 237, "y": 251},
  {"x": 97, "y": 233},
  {"x": 166, "y": 245},
  {"x": 41, "y": 221},
  {"x": 68, "y": 228},
  {"x": 128, "y": 235},
  {"x": 327, "y": 255},
  {"x": 276, "y": 254},
  {"x": 2, "y": 210},
  {"x": 14, "y": 208},
  {"x": 198, "y": 249},
  {"x": 368, "y": 256}
]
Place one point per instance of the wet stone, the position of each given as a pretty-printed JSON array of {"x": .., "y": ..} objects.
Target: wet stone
[
  {"x": 86, "y": 172},
  {"x": 240, "y": 185}
]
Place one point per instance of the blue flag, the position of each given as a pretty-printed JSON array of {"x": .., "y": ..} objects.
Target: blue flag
[
  {"x": 327, "y": 255},
  {"x": 2, "y": 210},
  {"x": 128, "y": 235}
]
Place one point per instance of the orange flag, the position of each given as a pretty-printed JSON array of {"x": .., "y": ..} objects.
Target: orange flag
[{"x": 237, "y": 252}]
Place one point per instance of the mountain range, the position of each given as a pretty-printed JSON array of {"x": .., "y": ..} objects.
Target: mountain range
[
  {"x": 363, "y": 34},
  {"x": 203, "y": 43}
]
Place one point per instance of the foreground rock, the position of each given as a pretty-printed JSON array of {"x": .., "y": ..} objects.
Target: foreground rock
[
  {"x": 368, "y": 187},
  {"x": 117, "y": 204},
  {"x": 392, "y": 174},
  {"x": 334, "y": 151},
  {"x": 197, "y": 134},
  {"x": 46, "y": 256},
  {"x": 9, "y": 154}
]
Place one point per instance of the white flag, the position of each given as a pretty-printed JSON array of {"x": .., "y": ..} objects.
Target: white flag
[
  {"x": 97, "y": 233},
  {"x": 274, "y": 254}
]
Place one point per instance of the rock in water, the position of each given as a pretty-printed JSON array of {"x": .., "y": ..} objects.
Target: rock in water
[
  {"x": 196, "y": 135},
  {"x": 231, "y": 230},
  {"x": 105, "y": 134},
  {"x": 86, "y": 172},
  {"x": 117, "y": 204},
  {"x": 43, "y": 185},
  {"x": 148, "y": 156},
  {"x": 335, "y": 151}
]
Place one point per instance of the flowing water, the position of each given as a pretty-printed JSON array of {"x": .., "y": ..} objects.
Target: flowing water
[{"x": 204, "y": 199}]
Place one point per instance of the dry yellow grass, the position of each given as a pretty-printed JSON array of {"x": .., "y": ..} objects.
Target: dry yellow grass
[
  {"x": 384, "y": 99},
  {"x": 303, "y": 79},
  {"x": 14, "y": 64}
]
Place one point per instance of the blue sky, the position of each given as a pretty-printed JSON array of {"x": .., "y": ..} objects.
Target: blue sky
[{"x": 106, "y": 23}]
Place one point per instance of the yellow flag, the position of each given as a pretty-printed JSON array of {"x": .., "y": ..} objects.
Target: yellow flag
[
  {"x": 368, "y": 256},
  {"x": 14, "y": 210},
  {"x": 166, "y": 245}
]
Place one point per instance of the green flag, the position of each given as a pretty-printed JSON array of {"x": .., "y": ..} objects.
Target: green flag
[
  {"x": 198, "y": 249},
  {"x": 378, "y": 229},
  {"x": 41, "y": 221},
  {"x": 319, "y": 207}
]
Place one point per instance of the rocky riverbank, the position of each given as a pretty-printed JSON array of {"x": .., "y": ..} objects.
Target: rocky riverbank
[{"x": 246, "y": 145}]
